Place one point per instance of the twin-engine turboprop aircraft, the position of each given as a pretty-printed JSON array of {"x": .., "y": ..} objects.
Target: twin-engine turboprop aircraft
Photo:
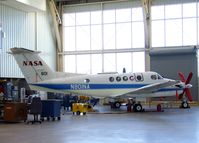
[{"x": 108, "y": 85}]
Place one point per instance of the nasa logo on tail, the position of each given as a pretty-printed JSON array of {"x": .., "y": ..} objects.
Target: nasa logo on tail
[{"x": 32, "y": 63}]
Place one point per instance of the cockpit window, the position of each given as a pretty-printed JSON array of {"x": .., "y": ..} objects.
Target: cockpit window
[
  {"x": 153, "y": 77},
  {"x": 160, "y": 77}
]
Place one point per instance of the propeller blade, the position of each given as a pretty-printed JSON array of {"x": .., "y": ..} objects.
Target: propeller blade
[
  {"x": 180, "y": 96},
  {"x": 177, "y": 96},
  {"x": 188, "y": 93},
  {"x": 186, "y": 90},
  {"x": 181, "y": 75},
  {"x": 189, "y": 78}
]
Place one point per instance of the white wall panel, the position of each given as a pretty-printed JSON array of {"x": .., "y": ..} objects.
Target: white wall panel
[
  {"x": 23, "y": 29},
  {"x": 46, "y": 39},
  {"x": 18, "y": 27}
]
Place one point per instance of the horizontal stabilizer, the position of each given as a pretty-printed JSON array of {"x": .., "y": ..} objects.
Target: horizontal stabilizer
[{"x": 22, "y": 51}]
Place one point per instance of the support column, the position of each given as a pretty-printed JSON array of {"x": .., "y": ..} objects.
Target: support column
[
  {"x": 58, "y": 29},
  {"x": 146, "y": 6}
]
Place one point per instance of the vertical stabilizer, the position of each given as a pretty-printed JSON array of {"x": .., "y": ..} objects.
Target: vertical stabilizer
[{"x": 32, "y": 66}]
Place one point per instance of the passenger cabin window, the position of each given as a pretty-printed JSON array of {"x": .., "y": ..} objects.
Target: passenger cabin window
[
  {"x": 125, "y": 78},
  {"x": 118, "y": 78},
  {"x": 131, "y": 78},
  {"x": 139, "y": 77},
  {"x": 87, "y": 80},
  {"x": 153, "y": 77},
  {"x": 111, "y": 79}
]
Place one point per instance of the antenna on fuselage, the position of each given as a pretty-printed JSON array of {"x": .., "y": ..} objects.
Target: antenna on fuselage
[{"x": 124, "y": 70}]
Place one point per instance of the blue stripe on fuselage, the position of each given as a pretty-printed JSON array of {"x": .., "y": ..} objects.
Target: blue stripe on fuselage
[
  {"x": 97, "y": 86},
  {"x": 88, "y": 86}
]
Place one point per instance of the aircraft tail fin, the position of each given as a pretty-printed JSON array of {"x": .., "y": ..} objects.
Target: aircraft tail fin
[{"x": 32, "y": 66}]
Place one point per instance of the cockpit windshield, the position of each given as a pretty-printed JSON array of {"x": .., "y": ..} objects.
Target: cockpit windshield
[{"x": 159, "y": 76}]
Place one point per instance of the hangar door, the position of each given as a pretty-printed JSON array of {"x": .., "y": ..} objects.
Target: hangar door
[{"x": 169, "y": 61}]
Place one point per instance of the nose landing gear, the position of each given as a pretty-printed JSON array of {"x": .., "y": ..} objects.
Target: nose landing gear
[{"x": 184, "y": 105}]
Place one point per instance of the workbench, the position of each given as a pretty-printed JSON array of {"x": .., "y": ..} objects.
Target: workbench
[{"x": 15, "y": 112}]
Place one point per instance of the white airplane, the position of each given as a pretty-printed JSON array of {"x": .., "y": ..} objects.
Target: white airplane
[{"x": 108, "y": 85}]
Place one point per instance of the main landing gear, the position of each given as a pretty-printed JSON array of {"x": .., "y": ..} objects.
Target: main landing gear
[
  {"x": 117, "y": 105},
  {"x": 137, "y": 107}
]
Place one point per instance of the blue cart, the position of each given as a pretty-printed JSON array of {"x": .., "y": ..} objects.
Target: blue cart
[{"x": 51, "y": 109}]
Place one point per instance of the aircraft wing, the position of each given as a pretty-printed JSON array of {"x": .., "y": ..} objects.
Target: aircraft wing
[{"x": 151, "y": 88}]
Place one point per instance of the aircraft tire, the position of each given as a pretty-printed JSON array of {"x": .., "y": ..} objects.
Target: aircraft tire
[
  {"x": 117, "y": 104},
  {"x": 78, "y": 113},
  {"x": 185, "y": 104},
  {"x": 137, "y": 108}
]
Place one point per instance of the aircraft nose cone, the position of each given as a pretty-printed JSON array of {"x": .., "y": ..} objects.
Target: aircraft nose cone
[{"x": 188, "y": 86}]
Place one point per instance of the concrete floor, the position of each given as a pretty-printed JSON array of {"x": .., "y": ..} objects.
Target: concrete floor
[{"x": 170, "y": 126}]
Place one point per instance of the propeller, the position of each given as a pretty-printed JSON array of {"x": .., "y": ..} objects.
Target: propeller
[
  {"x": 186, "y": 90},
  {"x": 177, "y": 96}
]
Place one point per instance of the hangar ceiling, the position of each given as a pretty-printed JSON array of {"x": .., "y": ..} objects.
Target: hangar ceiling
[
  {"x": 67, "y": 2},
  {"x": 26, "y": 5}
]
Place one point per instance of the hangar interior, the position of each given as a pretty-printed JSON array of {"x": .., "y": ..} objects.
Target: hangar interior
[
  {"x": 92, "y": 37},
  {"x": 108, "y": 35}
]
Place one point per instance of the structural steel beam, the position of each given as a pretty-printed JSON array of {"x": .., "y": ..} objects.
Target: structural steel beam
[
  {"x": 146, "y": 6},
  {"x": 57, "y": 22}
]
